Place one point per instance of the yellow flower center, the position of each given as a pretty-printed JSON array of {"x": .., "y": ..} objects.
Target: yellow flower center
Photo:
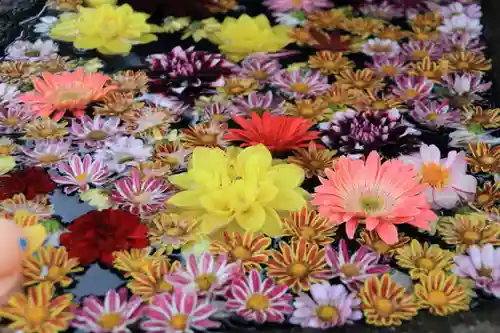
[
  {"x": 435, "y": 175},
  {"x": 5, "y": 150},
  {"x": 488, "y": 160},
  {"x": 142, "y": 198},
  {"x": 179, "y": 322},
  {"x": 432, "y": 116},
  {"x": 259, "y": 75},
  {"x": 208, "y": 139},
  {"x": 258, "y": 302},
  {"x": 350, "y": 270},
  {"x": 307, "y": 233},
  {"x": 379, "y": 105},
  {"x": 242, "y": 253},
  {"x": 45, "y": 132},
  {"x": 110, "y": 320},
  {"x": 36, "y": 315},
  {"x": 327, "y": 313},
  {"x": 389, "y": 70},
  {"x": 384, "y": 307},
  {"x": 483, "y": 198},
  {"x": 259, "y": 111},
  {"x": 236, "y": 90},
  {"x": 381, "y": 48},
  {"x": 296, "y": 2},
  {"x": 11, "y": 121},
  {"x": 164, "y": 286},
  {"x": 97, "y": 135},
  {"x": 411, "y": 93},
  {"x": 81, "y": 177},
  {"x": 55, "y": 272},
  {"x": 380, "y": 246},
  {"x": 49, "y": 158},
  {"x": 307, "y": 112},
  {"x": 425, "y": 263},
  {"x": 437, "y": 298},
  {"x": 419, "y": 54},
  {"x": 471, "y": 237},
  {"x": 485, "y": 272},
  {"x": 462, "y": 65},
  {"x": 371, "y": 203},
  {"x": 174, "y": 232},
  {"x": 205, "y": 281},
  {"x": 70, "y": 96},
  {"x": 360, "y": 84},
  {"x": 300, "y": 87},
  {"x": 298, "y": 270}
]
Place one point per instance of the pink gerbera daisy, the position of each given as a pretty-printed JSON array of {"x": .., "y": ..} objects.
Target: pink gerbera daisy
[
  {"x": 258, "y": 299},
  {"x": 140, "y": 196},
  {"x": 205, "y": 274},
  {"x": 354, "y": 270},
  {"x": 78, "y": 174},
  {"x": 293, "y": 5},
  {"x": 329, "y": 306},
  {"x": 179, "y": 312},
  {"x": 113, "y": 314},
  {"x": 381, "y": 196},
  {"x": 300, "y": 84}
]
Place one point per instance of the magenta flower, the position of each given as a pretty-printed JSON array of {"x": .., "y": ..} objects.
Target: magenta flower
[
  {"x": 93, "y": 132},
  {"x": 140, "y": 196},
  {"x": 388, "y": 66},
  {"x": 78, "y": 174},
  {"x": 113, "y": 314},
  {"x": 329, "y": 306},
  {"x": 411, "y": 88},
  {"x": 260, "y": 68},
  {"x": 258, "y": 103},
  {"x": 205, "y": 274},
  {"x": 258, "y": 299},
  {"x": 180, "y": 312},
  {"x": 354, "y": 270},
  {"x": 419, "y": 49},
  {"x": 434, "y": 114},
  {"x": 300, "y": 84},
  {"x": 294, "y": 5},
  {"x": 481, "y": 264}
]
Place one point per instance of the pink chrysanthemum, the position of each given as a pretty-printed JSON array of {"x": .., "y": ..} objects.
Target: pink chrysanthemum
[
  {"x": 258, "y": 103},
  {"x": 381, "y": 196},
  {"x": 481, "y": 264},
  {"x": 113, "y": 314},
  {"x": 260, "y": 68},
  {"x": 13, "y": 117},
  {"x": 299, "y": 84},
  {"x": 293, "y": 5},
  {"x": 412, "y": 88},
  {"x": 435, "y": 114},
  {"x": 78, "y": 174},
  {"x": 93, "y": 132},
  {"x": 383, "y": 10},
  {"x": 466, "y": 86},
  {"x": 179, "y": 312},
  {"x": 216, "y": 112},
  {"x": 462, "y": 41},
  {"x": 419, "y": 49},
  {"x": 329, "y": 306},
  {"x": 354, "y": 270},
  {"x": 47, "y": 152},
  {"x": 258, "y": 299},
  {"x": 388, "y": 66},
  {"x": 140, "y": 196},
  {"x": 205, "y": 274}
]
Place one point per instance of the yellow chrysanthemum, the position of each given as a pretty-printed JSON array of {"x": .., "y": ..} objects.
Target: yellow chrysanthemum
[
  {"x": 135, "y": 260},
  {"x": 421, "y": 260},
  {"x": 239, "y": 189},
  {"x": 109, "y": 29},
  {"x": 152, "y": 281},
  {"x": 172, "y": 231}
]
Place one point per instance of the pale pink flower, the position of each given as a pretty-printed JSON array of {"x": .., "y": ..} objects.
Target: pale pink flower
[
  {"x": 77, "y": 174},
  {"x": 467, "y": 85},
  {"x": 462, "y": 23},
  {"x": 258, "y": 299},
  {"x": 124, "y": 152},
  {"x": 456, "y": 9},
  {"x": 378, "y": 47},
  {"x": 261, "y": 68},
  {"x": 113, "y": 314},
  {"x": 217, "y": 112},
  {"x": 388, "y": 66},
  {"x": 447, "y": 179},
  {"x": 293, "y": 5},
  {"x": 412, "y": 88},
  {"x": 13, "y": 117},
  {"x": 329, "y": 306},
  {"x": 434, "y": 114},
  {"x": 93, "y": 132},
  {"x": 180, "y": 312},
  {"x": 8, "y": 93},
  {"x": 300, "y": 84},
  {"x": 383, "y": 10},
  {"x": 47, "y": 152},
  {"x": 256, "y": 102},
  {"x": 419, "y": 49},
  {"x": 462, "y": 41}
]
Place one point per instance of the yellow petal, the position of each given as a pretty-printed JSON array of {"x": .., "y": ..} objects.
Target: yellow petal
[
  {"x": 252, "y": 219},
  {"x": 35, "y": 236},
  {"x": 185, "y": 199},
  {"x": 273, "y": 226},
  {"x": 7, "y": 163},
  {"x": 290, "y": 200}
]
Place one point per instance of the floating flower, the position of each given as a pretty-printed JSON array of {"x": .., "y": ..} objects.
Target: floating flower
[
  {"x": 434, "y": 114},
  {"x": 484, "y": 158},
  {"x": 300, "y": 84},
  {"x": 465, "y": 88},
  {"x": 209, "y": 134},
  {"x": 180, "y": 312},
  {"x": 174, "y": 231},
  {"x": 171, "y": 153},
  {"x": 97, "y": 234},
  {"x": 422, "y": 259},
  {"x": 247, "y": 249},
  {"x": 78, "y": 174},
  {"x": 8, "y": 92},
  {"x": 373, "y": 241},
  {"x": 40, "y": 50},
  {"x": 298, "y": 265},
  {"x": 47, "y": 152},
  {"x": 310, "y": 226},
  {"x": 258, "y": 299},
  {"x": 256, "y": 103},
  {"x": 28, "y": 181},
  {"x": 136, "y": 260},
  {"x": 150, "y": 280},
  {"x": 119, "y": 105},
  {"x": 412, "y": 88},
  {"x": 97, "y": 198},
  {"x": 233, "y": 87},
  {"x": 50, "y": 265},
  {"x": 277, "y": 133},
  {"x": 329, "y": 306},
  {"x": 313, "y": 160},
  {"x": 381, "y": 47},
  {"x": 447, "y": 180},
  {"x": 359, "y": 80},
  {"x": 130, "y": 81},
  {"x": 373, "y": 186},
  {"x": 388, "y": 66},
  {"x": 291, "y": 5},
  {"x": 467, "y": 62},
  {"x": 38, "y": 310},
  {"x": 14, "y": 117},
  {"x": 57, "y": 93},
  {"x": 113, "y": 314},
  {"x": 487, "y": 197},
  {"x": 442, "y": 294},
  {"x": 123, "y": 152},
  {"x": 93, "y": 132},
  {"x": 329, "y": 63},
  {"x": 354, "y": 270},
  {"x": 314, "y": 110},
  {"x": 45, "y": 128},
  {"x": 260, "y": 68},
  {"x": 237, "y": 38},
  {"x": 417, "y": 50},
  {"x": 385, "y": 303},
  {"x": 482, "y": 265},
  {"x": 38, "y": 206},
  {"x": 461, "y": 23}
]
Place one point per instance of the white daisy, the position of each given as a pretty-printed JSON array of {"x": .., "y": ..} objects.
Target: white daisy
[
  {"x": 381, "y": 47},
  {"x": 462, "y": 23},
  {"x": 120, "y": 153},
  {"x": 25, "y": 50}
]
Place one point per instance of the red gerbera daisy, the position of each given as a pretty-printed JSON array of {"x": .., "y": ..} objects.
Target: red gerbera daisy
[
  {"x": 97, "y": 234},
  {"x": 278, "y": 133},
  {"x": 29, "y": 181}
]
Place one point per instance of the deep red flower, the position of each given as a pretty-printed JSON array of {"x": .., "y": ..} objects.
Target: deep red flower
[
  {"x": 97, "y": 234},
  {"x": 30, "y": 181},
  {"x": 277, "y": 133}
]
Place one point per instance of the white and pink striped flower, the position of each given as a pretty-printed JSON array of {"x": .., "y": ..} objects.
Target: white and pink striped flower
[
  {"x": 256, "y": 102},
  {"x": 93, "y": 132},
  {"x": 466, "y": 85},
  {"x": 462, "y": 41},
  {"x": 434, "y": 114},
  {"x": 47, "y": 153},
  {"x": 378, "y": 47},
  {"x": 419, "y": 49},
  {"x": 412, "y": 88},
  {"x": 78, "y": 174},
  {"x": 300, "y": 83},
  {"x": 293, "y": 5},
  {"x": 180, "y": 312},
  {"x": 205, "y": 274},
  {"x": 354, "y": 270},
  {"x": 142, "y": 196},
  {"x": 13, "y": 117},
  {"x": 258, "y": 299},
  {"x": 383, "y": 10},
  {"x": 260, "y": 68},
  {"x": 113, "y": 314},
  {"x": 388, "y": 66}
]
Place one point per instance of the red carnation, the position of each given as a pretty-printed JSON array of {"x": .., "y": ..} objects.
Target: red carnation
[
  {"x": 277, "y": 133},
  {"x": 97, "y": 234},
  {"x": 30, "y": 181}
]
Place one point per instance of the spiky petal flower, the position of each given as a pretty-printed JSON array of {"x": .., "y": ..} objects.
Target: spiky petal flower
[
  {"x": 13, "y": 117},
  {"x": 123, "y": 152},
  {"x": 291, "y": 5},
  {"x": 113, "y": 314},
  {"x": 310, "y": 226},
  {"x": 300, "y": 84},
  {"x": 79, "y": 174},
  {"x": 181, "y": 311},
  {"x": 388, "y": 66},
  {"x": 93, "y": 132},
  {"x": 258, "y": 299},
  {"x": 260, "y": 68},
  {"x": 416, "y": 50},
  {"x": 277, "y": 133},
  {"x": 380, "y": 195},
  {"x": 434, "y": 114},
  {"x": 412, "y": 88},
  {"x": 142, "y": 196},
  {"x": 329, "y": 306},
  {"x": 354, "y": 270},
  {"x": 47, "y": 152},
  {"x": 258, "y": 103},
  {"x": 8, "y": 92}
]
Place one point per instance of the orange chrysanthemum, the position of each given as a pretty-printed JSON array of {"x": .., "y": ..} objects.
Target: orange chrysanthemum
[
  {"x": 310, "y": 226},
  {"x": 277, "y": 133},
  {"x": 58, "y": 93}
]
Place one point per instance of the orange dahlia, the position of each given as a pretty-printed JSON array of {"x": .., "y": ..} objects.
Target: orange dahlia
[
  {"x": 57, "y": 93},
  {"x": 278, "y": 133}
]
